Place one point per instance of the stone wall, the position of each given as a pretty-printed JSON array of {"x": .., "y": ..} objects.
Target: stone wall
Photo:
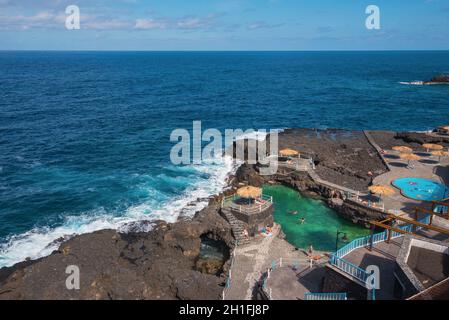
[
  {"x": 357, "y": 213},
  {"x": 256, "y": 221}
]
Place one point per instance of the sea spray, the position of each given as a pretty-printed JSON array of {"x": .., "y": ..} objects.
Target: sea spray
[{"x": 211, "y": 179}]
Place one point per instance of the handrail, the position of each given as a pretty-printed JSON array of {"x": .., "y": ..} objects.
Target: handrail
[
  {"x": 336, "y": 259},
  {"x": 235, "y": 197},
  {"x": 229, "y": 201},
  {"x": 228, "y": 283},
  {"x": 349, "y": 268},
  {"x": 325, "y": 296},
  {"x": 279, "y": 263}
]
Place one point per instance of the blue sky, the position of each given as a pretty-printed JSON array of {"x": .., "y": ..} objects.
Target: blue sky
[{"x": 224, "y": 25}]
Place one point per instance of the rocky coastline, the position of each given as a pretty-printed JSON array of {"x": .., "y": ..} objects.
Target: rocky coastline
[
  {"x": 441, "y": 79},
  {"x": 165, "y": 263}
]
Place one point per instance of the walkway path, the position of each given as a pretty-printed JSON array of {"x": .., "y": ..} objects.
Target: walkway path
[
  {"x": 253, "y": 259},
  {"x": 318, "y": 180}
]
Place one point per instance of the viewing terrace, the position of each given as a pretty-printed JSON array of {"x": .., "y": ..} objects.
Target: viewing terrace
[{"x": 247, "y": 206}]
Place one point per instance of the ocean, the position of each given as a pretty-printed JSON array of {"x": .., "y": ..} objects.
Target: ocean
[{"x": 85, "y": 136}]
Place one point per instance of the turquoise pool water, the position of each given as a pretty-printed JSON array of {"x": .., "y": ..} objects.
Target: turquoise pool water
[
  {"x": 422, "y": 189},
  {"x": 321, "y": 222}
]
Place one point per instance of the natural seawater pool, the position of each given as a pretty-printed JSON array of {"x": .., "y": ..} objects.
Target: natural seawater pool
[{"x": 321, "y": 222}]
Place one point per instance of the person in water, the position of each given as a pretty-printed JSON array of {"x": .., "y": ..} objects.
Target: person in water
[
  {"x": 293, "y": 212},
  {"x": 302, "y": 220}
]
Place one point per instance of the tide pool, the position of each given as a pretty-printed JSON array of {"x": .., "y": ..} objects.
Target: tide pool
[{"x": 321, "y": 222}]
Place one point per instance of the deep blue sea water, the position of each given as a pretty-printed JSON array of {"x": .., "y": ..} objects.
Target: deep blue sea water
[{"x": 84, "y": 136}]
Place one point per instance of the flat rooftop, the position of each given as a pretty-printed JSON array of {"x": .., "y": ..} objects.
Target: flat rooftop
[
  {"x": 286, "y": 283},
  {"x": 430, "y": 267}
]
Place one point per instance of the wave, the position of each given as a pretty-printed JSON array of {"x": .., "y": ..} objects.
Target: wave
[
  {"x": 211, "y": 178},
  {"x": 256, "y": 135},
  {"x": 422, "y": 83},
  {"x": 413, "y": 83}
]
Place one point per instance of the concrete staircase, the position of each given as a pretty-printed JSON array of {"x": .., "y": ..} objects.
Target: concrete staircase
[{"x": 237, "y": 227}]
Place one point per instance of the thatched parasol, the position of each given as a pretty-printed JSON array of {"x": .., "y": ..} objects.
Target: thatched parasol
[
  {"x": 249, "y": 192},
  {"x": 382, "y": 190},
  {"x": 288, "y": 152},
  {"x": 409, "y": 156},
  {"x": 403, "y": 149},
  {"x": 432, "y": 146},
  {"x": 440, "y": 153}
]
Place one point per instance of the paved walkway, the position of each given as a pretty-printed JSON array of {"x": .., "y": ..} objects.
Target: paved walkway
[
  {"x": 438, "y": 172},
  {"x": 331, "y": 185},
  {"x": 287, "y": 283},
  {"x": 252, "y": 260},
  {"x": 432, "y": 168},
  {"x": 384, "y": 254}
]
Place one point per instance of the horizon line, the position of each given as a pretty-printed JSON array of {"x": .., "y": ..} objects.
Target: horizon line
[{"x": 213, "y": 50}]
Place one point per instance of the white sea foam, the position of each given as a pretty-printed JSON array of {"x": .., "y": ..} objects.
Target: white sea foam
[
  {"x": 40, "y": 242},
  {"x": 413, "y": 83},
  {"x": 256, "y": 135}
]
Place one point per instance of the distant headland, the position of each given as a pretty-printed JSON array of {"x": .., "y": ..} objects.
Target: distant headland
[{"x": 440, "y": 79}]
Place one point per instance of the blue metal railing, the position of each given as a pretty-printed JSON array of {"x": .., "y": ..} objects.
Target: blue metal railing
[
  {"x": 336, "y": 259},
  {"x": 325, "y": 296},
  {"x": 441, "y": 209},
  {"x": 349, "y": 268}
]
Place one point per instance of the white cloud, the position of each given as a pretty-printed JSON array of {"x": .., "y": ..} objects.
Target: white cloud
[
  {"x": 185, "y": 23},
  {"x": 263, "y": 25},
  {"x": 146, "y": 24},
  {"x": 43, "y": 19}
]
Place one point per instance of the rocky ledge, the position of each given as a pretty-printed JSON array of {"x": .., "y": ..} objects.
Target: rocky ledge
[
  {"x": 161, "y": 264},
  {"x": 441, "y": 79}
]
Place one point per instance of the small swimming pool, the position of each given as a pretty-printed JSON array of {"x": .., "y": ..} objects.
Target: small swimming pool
[{"x": 422, "y": 189}]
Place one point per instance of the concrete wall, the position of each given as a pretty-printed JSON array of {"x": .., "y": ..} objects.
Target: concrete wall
[
  {"x": 359, "y": 214},
  {"x": 256, "y": 221},
  {"x": 338, "y": 283}
]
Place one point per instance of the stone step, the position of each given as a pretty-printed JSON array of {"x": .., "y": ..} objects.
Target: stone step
[{"x": 237, "y": 227}]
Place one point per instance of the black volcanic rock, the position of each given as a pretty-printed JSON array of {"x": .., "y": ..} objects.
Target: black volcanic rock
[
  {"x": 440, "y": 79},
  {"x": 160, "y": 264},
  {"x": 419, "y": 138},
  {"x": 165, "y": 262}
]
